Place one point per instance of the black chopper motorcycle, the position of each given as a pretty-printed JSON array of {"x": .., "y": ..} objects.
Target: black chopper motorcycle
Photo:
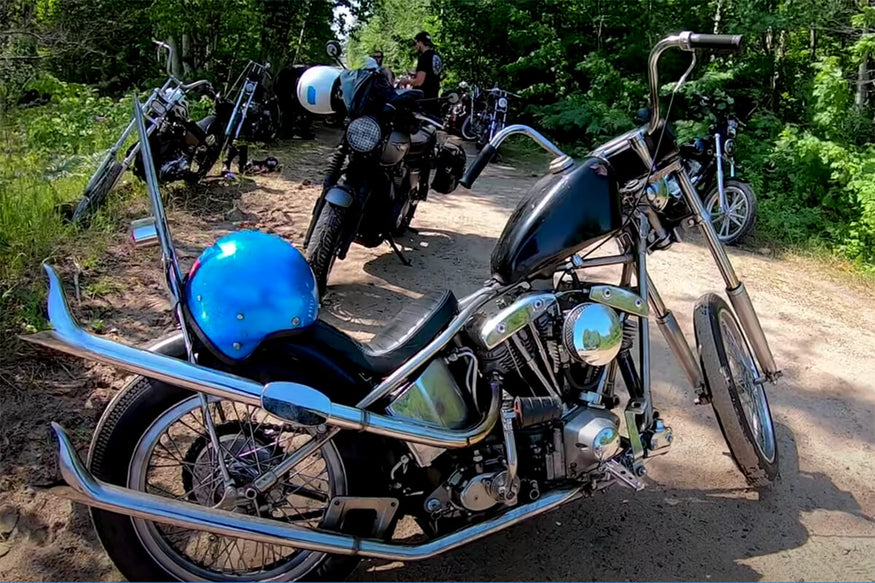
[
  {"x": 456, "y": 114},
  {"x": 255, "y": 115},
  {"x": 185, "y": 149},
  {"x": 380, "y": 171},
  {"x": 469, "y": 415},
  {"x": 729, "y": 201},
  {"x": 488, "y": 117}
]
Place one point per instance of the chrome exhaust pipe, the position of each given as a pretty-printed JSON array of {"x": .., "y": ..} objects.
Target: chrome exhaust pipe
[
  {"x": 86, "y": 489},
  {"x": 67, "y": 336},
  {"x": 298, "y": 403}
]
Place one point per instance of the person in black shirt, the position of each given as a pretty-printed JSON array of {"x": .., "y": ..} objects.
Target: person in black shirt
[{"x": 429, "y": 69}]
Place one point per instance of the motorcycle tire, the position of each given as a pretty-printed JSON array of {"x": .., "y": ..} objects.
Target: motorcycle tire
[
  {"x": 93, "y": 198},
  {"x": 127, "y": 421},
  {"x": 739, "y": 195},
  {"x": 324, "y": 241},
  {"x": 467, "y": 130},
  {"x": 734, "y": 385}
]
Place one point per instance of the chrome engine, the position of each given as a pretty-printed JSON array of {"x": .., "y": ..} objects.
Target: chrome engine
[
  {"x": 550, "y": 351},
  {"x": 549, "y": 354}
]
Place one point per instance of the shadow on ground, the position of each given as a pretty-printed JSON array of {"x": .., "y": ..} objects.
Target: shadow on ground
[{"x": 657, "y": 534}]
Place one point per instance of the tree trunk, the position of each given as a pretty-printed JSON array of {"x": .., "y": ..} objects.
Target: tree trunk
[
  {"x": 718, "y": 16},
  {"x": 862, "y": 82},
  {"x": 186, "y": 58},
  {"x": 862, "y": 78},
  {"x": 175, "y": 57}
]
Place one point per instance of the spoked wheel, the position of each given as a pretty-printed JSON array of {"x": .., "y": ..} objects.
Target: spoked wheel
[
  {"x": 737, "y": 394},
  {"x": 155, "y": 440},
  {"x": 94, "y": 197},
  {"x": 470, "y": 129},
  {"x": 739, "y": 216}
]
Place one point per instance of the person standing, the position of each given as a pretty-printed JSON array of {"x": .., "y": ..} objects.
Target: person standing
[{"x": 429, "y": 69}]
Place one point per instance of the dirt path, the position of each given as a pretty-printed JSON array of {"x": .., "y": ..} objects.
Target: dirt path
[{"x": 694, "y": 521}]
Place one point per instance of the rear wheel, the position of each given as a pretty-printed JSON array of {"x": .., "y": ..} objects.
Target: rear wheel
[
  {"x": 94, "y": 197},
  {"x": 154, "y": 440},
  {"x": 324, "y": 242},
  {"x": 737, "y": 394}
]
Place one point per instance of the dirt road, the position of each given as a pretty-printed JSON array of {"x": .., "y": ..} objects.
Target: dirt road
[{"x": 695, "y": 520}]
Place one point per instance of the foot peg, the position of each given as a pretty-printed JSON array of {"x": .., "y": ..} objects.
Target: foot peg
[{"x": 622, "y": 476}]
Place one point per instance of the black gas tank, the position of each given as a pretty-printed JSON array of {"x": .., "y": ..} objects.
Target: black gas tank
[{"x": 560, "y": 215}]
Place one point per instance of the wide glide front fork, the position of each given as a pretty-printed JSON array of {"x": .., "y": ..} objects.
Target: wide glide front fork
[
  {"x": 647, "y": 433},
  {"x": 735, "y": 289}
]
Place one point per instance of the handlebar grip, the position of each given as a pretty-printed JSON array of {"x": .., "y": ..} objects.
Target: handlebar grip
[
  {"x": 716, "y": 42},
  {"x": 477, "y": 167}
]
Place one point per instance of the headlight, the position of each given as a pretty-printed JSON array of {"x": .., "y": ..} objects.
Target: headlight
[
  {"x": 502, "y": 102},
  {"x": 729, "y": 147},
  {"x": 732, "y": 129},
  {"x": 363, "y": 134}
]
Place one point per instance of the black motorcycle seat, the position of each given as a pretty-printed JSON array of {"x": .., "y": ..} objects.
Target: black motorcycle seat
[{"x": 418, "y": 323}]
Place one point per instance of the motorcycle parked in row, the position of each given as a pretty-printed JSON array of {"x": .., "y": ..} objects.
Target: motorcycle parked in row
[
  {"x": 263, "y": 444},
  {"x": 380, "y": 171},
  {"x": 730, "y": 202},
  {"x": 456, "y": 114},
  {"x": 489, "y": 116},
  {"x": 185, "y": 149}
]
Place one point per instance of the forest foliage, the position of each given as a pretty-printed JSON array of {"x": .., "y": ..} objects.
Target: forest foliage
[{"x": 803, "y": 86}]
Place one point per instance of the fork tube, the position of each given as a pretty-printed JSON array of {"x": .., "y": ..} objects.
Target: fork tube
[
  {"x": 644, "y": 323},
  {"x": 675, "y": 339},
  {"x": 244, "y": 115},
  {"x": 734, "y": 288},
  {"x": 718, "y": 148},
  {"x": 174, "y": 274}
]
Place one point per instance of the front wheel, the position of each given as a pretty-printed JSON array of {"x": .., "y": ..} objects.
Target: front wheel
[
  {"x": 735, "y": 386},
  {"x": 468, "y": 130},
  {"x": 324, "y": 242},
  {"x": 94, "y": 197},
  {"x": 735, "y": 221},
  {"x": 153, "y": 439}
]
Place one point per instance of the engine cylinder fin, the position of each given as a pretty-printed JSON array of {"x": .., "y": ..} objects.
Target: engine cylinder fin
[{"x": 630, "y": 332}]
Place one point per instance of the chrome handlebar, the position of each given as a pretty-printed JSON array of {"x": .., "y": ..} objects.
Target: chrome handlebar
[
  {"x": 686, "y": 41},
  {"x": 559, "y": 163},
  {"x": 536, "y": 136},
  {"x": 194, "y": 85}
]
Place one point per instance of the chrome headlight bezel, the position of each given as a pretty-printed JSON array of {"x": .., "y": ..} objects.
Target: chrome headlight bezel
[
  {"x": 502, "y": 103},
  {"x": 363, "y": 134}
]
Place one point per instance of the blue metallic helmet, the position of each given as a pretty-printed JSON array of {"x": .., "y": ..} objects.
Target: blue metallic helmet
[{"x": 247, "y": 286}]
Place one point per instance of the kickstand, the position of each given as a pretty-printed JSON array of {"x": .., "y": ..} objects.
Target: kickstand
[{"x": 397, "y": 251}]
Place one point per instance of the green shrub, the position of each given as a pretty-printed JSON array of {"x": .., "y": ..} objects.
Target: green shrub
[{"x": 50, "y": 152}]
